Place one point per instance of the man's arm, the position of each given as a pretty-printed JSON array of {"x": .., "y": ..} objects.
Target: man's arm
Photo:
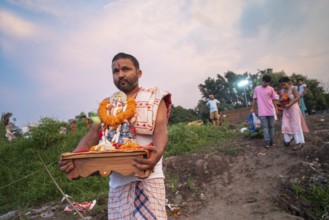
[
  {"x": 253, "y": 106},
  {"x": 90, "y": 139},
  {"x": 160, "y": 139}
]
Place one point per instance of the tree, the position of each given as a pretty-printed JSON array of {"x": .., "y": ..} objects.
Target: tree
[
  {"x": 181, "y": 115},
  {"x": 226, "y": 90}
]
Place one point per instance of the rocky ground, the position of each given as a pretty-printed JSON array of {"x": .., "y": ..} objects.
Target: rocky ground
[{"x": 245, "y": 181}]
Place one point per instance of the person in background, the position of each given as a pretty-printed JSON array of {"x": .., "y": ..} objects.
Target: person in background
[
  {"x": 276, "y": 103},
  {"x": 9, "y": 134},
  {"x": 264, "y": 97},
  {"x": 213, "y": 105},
  {"x": 139, "y": 196},
  {"x": 73, "y": 125},
  {"x": 293, "y": 124},
  {"x": 302, "y": 89}
]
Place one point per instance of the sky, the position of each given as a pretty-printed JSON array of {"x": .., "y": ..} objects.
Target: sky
[{"x": 55, "y": 55}]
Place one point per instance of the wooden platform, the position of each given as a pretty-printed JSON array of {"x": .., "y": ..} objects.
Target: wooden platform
[{"x": 104, "y": 162}]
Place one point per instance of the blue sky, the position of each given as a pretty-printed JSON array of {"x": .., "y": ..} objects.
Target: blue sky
[{"x": 55, "y": 55}]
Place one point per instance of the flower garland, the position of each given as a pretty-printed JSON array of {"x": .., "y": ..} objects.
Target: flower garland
[{"x": 116, "y": 120}]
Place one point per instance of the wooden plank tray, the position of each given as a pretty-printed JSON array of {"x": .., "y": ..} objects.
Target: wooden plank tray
[{"x": 103, "y": 162}]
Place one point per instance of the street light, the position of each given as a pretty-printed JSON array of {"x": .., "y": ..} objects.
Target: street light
[{"x": 243, "y": 84}]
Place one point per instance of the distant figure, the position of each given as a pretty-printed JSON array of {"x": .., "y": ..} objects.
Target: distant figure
[
  {"x": 213, "y": 106},
  {"x": 293, "y": 123},
  {"x": 87, "y": 120},
  {"x": 62, "y": 130},
  {"x": 9, "y": 134},
  {"x": 264, "y": 96},
  {"x": 73, "y": 124},
  {"x": 302, "y": 89},
  {"x": 88, "y": 123}
]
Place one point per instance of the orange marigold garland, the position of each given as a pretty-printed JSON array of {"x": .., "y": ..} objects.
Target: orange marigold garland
[{"x": 116, "y": 120}]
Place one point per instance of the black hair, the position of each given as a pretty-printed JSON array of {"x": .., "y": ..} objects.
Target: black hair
[
  {"x": 300, "y": 79},
  {"x": 266, "y": 78},
  {"x": 126, "y": 56},
  {"x": 284, "y": 79}
]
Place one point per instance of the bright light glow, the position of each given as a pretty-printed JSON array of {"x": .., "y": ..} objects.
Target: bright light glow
[{"x": 243, "y": 83}]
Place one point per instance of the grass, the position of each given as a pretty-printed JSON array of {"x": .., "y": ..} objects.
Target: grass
[
  {"x": 191, "y": 184},
  {"x": 173, "y": 181},
  {"x": 184, "y": 139},
  {"x": 232, "y": 150},
  {"x": 316, "y": 194},
  {"x": 25, "y": 183}
]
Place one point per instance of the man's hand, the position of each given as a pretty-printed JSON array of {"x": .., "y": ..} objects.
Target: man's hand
[
  {"x": 146, "y": 165},
  {"x": 90, "y": 139},
  {"x": 66, "y": 166}
]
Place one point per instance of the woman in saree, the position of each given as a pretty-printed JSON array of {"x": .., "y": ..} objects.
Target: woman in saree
[{"x": 293, "y": 123}]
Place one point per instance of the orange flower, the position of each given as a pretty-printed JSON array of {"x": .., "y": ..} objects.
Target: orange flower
[{"x": 116, "y": 120}]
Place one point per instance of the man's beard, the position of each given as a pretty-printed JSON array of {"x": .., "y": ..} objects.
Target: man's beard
[{"x": 126, "y": 87}]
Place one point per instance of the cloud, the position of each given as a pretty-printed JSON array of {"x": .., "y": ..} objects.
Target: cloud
[
  {"x": 67, "y": 52},
  {"x": 13, "y": 25},
  {"x": 49, "y": 7},
  {"x": 276, "y": 16}
]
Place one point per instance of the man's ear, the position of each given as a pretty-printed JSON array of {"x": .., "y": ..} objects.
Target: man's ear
[{"x": 139, "y": 73}]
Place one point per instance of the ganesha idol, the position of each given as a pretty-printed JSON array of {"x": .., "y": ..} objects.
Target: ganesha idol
[{"x": 118, "y": 115}]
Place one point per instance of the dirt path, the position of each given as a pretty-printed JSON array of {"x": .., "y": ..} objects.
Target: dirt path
[
  {"x": 254, "y": 180},
  {"x": 249, "y": 186}
]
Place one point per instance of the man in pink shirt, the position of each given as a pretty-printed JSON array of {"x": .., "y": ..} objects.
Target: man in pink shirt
[{"x": 264, "y": 96}]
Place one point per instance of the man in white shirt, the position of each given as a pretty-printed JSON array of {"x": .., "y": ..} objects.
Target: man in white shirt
[{"x": 213, "y": 106}]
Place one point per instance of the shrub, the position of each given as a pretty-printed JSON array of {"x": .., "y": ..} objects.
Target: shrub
[{"x": 47, "y": 133}]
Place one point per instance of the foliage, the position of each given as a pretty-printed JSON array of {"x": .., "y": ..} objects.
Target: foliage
[
  {"x": 315, "y": 194},
  {"x": 47, "y": 133},
  {"x": 173, "y": 181},
  {"x": 231, "y": 96},
  {"x": 227, "y": 91},
  {"x": 20, "y": 160},
  {"x": 2, "y": 133},
  {"x": 92, "y": 114},
  {"x": 181, "y": 115},
  {"x": 183, "y": 138},
  {"x": 81, "y": 126},
  {"x": 232, "y": 150}
]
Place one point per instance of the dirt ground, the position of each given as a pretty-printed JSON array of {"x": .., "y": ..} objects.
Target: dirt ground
[
  {"x": 252, "y": 183},
  {"x": 256, "y": 184}
]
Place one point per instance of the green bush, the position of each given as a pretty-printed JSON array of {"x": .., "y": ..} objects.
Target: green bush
[
  {"x": 2, "y": 133},
  {"x": 47, "y": 133},
  {"x": 183, "y": 138},
  {"x": 25, "y": 182}
]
